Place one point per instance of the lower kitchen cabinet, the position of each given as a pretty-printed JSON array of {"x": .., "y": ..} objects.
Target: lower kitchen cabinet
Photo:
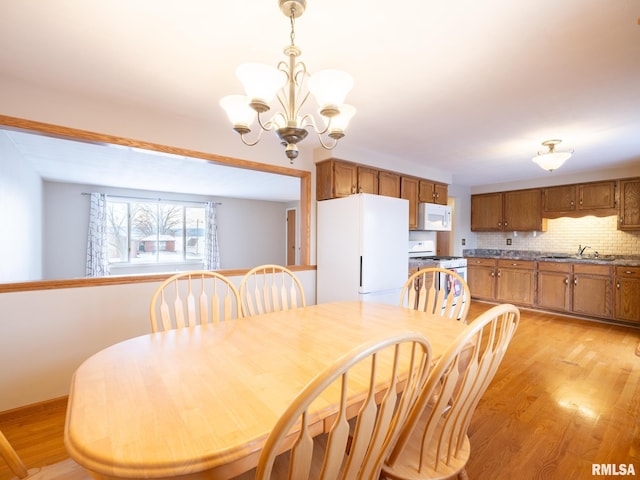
[
  {"x": 507, "y": 281},
  {"x": 554, "y": 286},
  {"x": 592, "y": 290},
  {"x": 481, "y": 277},
  {"x": 581, "y": 288},
  {"x": 515, "y": 281},
  {"x": 627, "y": 294}
]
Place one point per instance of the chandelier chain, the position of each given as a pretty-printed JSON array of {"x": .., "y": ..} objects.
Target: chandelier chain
[{"x": 293, "y": 22}]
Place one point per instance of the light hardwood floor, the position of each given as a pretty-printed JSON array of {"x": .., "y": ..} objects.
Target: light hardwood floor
[{"x": 566, "y": 396}]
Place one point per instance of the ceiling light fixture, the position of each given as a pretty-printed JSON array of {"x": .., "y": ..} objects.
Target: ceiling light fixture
[
  {"x": 551, "y": 160},
  {"x": 288, "y": 83}
]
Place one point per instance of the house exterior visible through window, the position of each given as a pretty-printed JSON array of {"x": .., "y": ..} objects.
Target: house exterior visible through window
[{"x": 147, "y": 232}]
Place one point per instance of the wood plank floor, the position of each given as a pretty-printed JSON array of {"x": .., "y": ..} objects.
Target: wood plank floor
[{"x": 566, "y": 396}]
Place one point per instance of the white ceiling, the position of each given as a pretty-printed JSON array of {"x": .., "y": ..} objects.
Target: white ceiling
[
  {"x": 59, "y": 160},
  {"x": 470, "y": 88}
]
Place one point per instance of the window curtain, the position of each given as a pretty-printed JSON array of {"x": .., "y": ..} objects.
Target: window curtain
[
  {"x": 211, "y": 249},
  {"x": 97, "y": 265}
]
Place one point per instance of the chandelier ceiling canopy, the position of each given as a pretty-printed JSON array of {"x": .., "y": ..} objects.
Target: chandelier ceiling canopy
[
  {"x": 291, "y": 85},
  {"x": 551, "y": 160}
]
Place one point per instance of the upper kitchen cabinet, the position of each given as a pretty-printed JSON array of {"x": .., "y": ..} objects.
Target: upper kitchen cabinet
[
  {"x": 596, "y": 198},
  {"x": 409, "y": 190},
  {"x": 522, "y": 211},
  {"x": 629, "y": 218},
  {"x": 513, "y": 211},
  {"x": 335, "y": 178},
  {"x": 486, "y": 212},
  {"x": 432, "y": 192},
  {"x": 367, "y": 180},
  {"x": 388, "y": 184},
  {"x": 340, "y": 178}
]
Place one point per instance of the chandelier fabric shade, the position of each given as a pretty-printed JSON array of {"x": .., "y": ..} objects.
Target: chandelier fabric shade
[
  {"x": 291, "y": 85},
  {"x": 551, "y": 160}
]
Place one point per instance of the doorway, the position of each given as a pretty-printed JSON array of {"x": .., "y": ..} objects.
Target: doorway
[{"x": 292, "y": 244}]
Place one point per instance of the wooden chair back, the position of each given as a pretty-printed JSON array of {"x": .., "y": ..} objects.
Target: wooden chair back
[
  {"x": 421, "y": 292},
  {"x": 65, "y": 470},
  {"x": 433, "y": 442},
  {"x": 270, "y": 288},
  {"x": 11, "y": 458},
  {"x": 191, "y": 298},
  {"x": 361, "y": 430}
]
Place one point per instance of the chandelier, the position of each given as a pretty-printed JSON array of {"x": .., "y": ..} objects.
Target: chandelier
[
  {"x": 551, "y": 160},
  {"x": 291, "y": 84}
]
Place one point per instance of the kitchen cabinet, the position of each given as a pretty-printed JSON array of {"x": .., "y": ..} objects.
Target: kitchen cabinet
[
  {"x": 340, "y": 178},
  {"x": 592, "y": 290},
  {"x": 513, "y": 211},
  {"x": 627, "y": 294},
  {"x": 554, "y": 286},
  {"x": 581, "y": 288},
  {"x": 389, "y": 184},
  {"x": 629, "y": 218},
  {"x": 594, "y": 198},
  {"x": 335, "y": 178},
  {"x": 409, "y": 190},
  {"x": 432, "y": 192},
  {"x": 522, "y": 211},
  {"x": 481, "y": 277},
  {"x": 367, "y": 180},
  {"x": 486, "y": 212},
  {"x": 508, "y": 281},
  {"x": 515, "y": 281}
]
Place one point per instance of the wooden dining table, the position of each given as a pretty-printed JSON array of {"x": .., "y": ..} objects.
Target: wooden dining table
[{"x": 199, "y": 402}]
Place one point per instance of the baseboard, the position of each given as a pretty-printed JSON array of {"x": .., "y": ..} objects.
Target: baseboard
[{"x": 27, "y": 410}]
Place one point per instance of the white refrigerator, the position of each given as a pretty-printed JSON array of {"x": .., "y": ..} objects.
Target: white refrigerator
[{"x": 362, "y": 248}]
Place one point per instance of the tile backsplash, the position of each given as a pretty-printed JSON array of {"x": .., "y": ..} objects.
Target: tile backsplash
[{"x": 563, "y": 235}]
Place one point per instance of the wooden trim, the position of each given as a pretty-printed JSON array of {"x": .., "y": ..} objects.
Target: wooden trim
[
  {"x": 119, "y": 280},
  {"x": 69, "y": 133},
  {"x": 33, "y": 408}
]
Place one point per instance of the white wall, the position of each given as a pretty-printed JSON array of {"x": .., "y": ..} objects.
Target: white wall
[
  {"x": 21, "y": 214},
  {"x": 250, "y": 232},
  {"x": 47, "y": 334}
]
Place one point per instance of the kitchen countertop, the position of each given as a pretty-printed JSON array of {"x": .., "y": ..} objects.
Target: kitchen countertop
[
  {"x": 615, "y": 260},
  {"x": 421, "y": 263}
]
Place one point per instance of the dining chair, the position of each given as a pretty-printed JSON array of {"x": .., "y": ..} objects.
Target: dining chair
[
  {"x": 195, "y": 297},
  {"x": 388, "y": 375},
  {"x": 270, "y": 288},
  {"x": 422, "y": 292},
  {"x": 65, "y": 470},
  {"x": 433, "y": 443}
]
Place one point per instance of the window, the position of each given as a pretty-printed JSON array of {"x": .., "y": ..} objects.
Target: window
[{"x": 146, "y": 232}]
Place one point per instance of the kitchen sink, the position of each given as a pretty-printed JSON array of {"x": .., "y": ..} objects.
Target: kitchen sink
[{"x": 577, "y": 257}]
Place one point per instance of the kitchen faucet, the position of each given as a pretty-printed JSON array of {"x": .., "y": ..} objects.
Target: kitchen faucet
[{"x": 581, "y": 249}]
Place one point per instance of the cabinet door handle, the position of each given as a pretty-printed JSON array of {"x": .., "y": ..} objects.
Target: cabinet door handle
[
  {"x": 566, "y": 281},
  {"x": 499, "y": 224},
  {"x": 493, "y": 274},
  {"x": 629, "y": 272},
  {"x": 498, "y": 273},
  {"x": 618, "y": 285},
  {"x": 575, "y": 281}
]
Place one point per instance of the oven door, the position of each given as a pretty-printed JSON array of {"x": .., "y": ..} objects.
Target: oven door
[{"x": 452, "y": 285}]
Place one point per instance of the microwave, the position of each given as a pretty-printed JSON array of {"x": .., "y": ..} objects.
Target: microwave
[{"x": 432, "y": 216}]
